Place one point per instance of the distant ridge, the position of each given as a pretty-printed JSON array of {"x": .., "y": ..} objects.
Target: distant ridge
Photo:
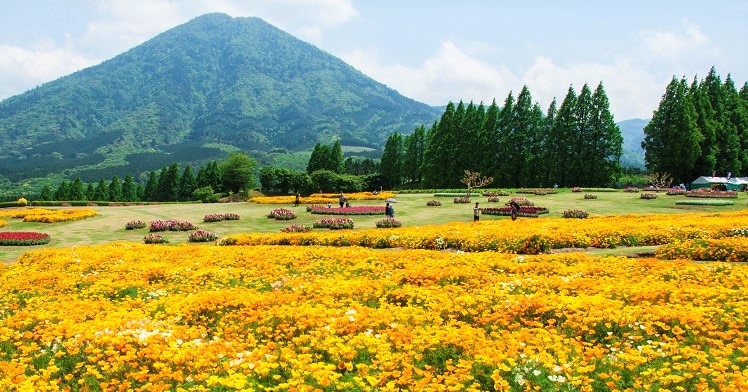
[{"x": 190, "y": 94}]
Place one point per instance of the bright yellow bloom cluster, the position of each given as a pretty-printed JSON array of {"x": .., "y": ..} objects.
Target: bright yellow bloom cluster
[
  {"x": 49, "y": 216},
  {"x": 135, "y": 317},
  {"x": 321, "y": 198},
  {"x": 732, "y": 249},
  {"x": 3, "y": 223},
  {"x": 508, "y": 236}
]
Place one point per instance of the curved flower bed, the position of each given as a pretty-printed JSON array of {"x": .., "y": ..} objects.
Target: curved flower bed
[
  {"x": 132, "y": 225},
  {"x": 355, "y": 210},
  {"x": 152, "y": 238},
  {"x": 712, "y": 194},
  {"x": 23, "y": 238},
  {"x": 44, "y": 215},
  {"x": 294, "y": 228},
  {"x": 578, "y": 214},
  {"x": 147, "y": 318},
  {"x": 220, "y": 217},
  {"x": 202, "y": 236},
  {"x": 506, "y": 236}
]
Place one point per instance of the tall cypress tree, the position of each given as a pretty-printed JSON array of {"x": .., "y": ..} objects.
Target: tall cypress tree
[
  {"x": 128, "y": 189},
  {"x": 487, "y": 156},
  {"x": 726, "y": 134},
  {"x": 90, "y": 191},
  {"x": 63, "y": 191},
  {"x": 390, "y": 164},
  {"x": 606, "y": 141},
  {"x": 76, "y": 190},
  {"x": 415, "y": 146},
  {"x": 546, "y": 160},
  {"x": 150, "y": 192},
  {"x": 187, "y": 184},
  {"x": 561, "y": 144},
  {"x": 707, "y": 161},
  {"x": 336, "y": 158},
  {"x": 505, "y": 147},
  {"x": 440, "y": 149},
  {"x": 115, "y": 189},
  {"x": 737, "y": 116},
  {"x": 101, "y": 193}
]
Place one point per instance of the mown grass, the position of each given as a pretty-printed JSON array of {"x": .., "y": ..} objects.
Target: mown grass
[{"x": 410, "y": 209}]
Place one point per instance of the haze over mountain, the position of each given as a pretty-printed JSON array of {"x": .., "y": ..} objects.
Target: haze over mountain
[{"x": 190, "y": 95}]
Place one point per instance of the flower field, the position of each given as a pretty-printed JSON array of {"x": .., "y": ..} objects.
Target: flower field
[
  {"x": 127, "y": 316},
  {"x": 503, "y": 236},
  {"x": 321, "y": 198},
  {"x": 44, "y": 215}
]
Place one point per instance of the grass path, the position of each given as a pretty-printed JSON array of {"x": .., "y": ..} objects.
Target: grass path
[{"x": 410, "y": 209}]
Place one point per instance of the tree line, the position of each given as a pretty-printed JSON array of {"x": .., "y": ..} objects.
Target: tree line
[
  {"x": 519, "y": 145},
  {"x": 699, "y": 129}
]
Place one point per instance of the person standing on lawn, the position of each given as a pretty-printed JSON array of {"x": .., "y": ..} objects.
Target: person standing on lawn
[{"x": 476, "y": 212}]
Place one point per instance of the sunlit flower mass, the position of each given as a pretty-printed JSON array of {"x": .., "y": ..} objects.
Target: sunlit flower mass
[{"x": 127, "y": 316}]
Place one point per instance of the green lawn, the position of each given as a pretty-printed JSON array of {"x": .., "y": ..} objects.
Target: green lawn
[{"x": 410, "y": 209}]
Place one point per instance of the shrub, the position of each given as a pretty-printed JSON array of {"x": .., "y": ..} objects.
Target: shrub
[
  {"x": 462, "y": 199},
  {"x": 154, "y": 239},
  {"x": 579, "y": 214},
  {"x": 282, "y": 214},
  {"x": 648, "y": 196},
  {"x": 433, "y": 203},
  {"x": 294, "y": 228},
  {"x": 631, "y": 189},
  {"x": 388, "y": 222},
  {"x": 589, "y": 196},
  {"x": 132, "y": 225},
  {"x": 202, "y": 236},
  {"x": 23, "y": 238}
]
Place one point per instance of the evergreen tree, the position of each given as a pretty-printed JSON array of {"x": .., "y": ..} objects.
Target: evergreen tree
[
  {"x": 76, "y": 190},
  {"x": 128, "y": 189},
  {"x": 389, "y": 166},
  {"x": 139, "y": 192},
  {"x": 415, "y": 147},
  {"x": 187, "y": 184},
  {"x": 90, "y": 191},
  {"x": 115, "y": 189},
  {"x": 150, "y": 192},
  {"x": 737, "y": 116},
  {"x": 672, "y": 137},
  {"x": 336, "y": 158},
  {"x": 168, "y": 183},
  {"x": 487, "y": 156},
  {"x": 101, "y": 193},
  {"x": 440, "y": 152},
  {"x": 561, "y": 145},
  {"x": 213, "y": 175},
  {"x": 605, "y": 142},
  {"x": 546, "y": 161},
  {"x": 506, "y": 147},
  {"x": 46, "y": 194},
  {"x": 63, "y": 191},
  {"x": 320, "y": 158},
  {"x": 707, "y": 161},
  {"x": 579, "y": 133},
  {"x": 726, "y": 134}
]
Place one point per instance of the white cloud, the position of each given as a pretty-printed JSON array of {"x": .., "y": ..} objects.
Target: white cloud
[
  {"x": 449, "y": 75},
  {"x": 677, "y": 42},
  {"x": 21, "y": 68}
]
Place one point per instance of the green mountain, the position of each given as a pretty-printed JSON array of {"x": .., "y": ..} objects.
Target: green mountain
[
  {"x": 633, "y": 135},
  {"x": 191, "y": 94}
]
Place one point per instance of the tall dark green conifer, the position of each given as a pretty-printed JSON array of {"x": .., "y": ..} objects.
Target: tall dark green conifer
[
  {"x": 561, "y": 144},
  {"x": 76, "y": 190},
  {"x": 440, "y": 150},
  {"x": 726, "y": 134},
  {"x": 336, "y": 158},
  {"x": 390, "y": 165},
  {"x": 737, "y": 116},
  {"x": 128, "y": 189},
  {"x": 115, "y": 189},
  {"x": 606, "y": 142},
  {"x": 101, "y": 193},
  {"x": 63, "y": 191},
  {"x": 187, "y": 184},
  {"x": 707, "y": 160},
  {"x": 415, "y": 147},
  {"x": 150, "y": 192}
]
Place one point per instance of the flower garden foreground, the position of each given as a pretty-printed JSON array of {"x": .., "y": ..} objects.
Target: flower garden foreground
[{"x": 127, "y": 316}]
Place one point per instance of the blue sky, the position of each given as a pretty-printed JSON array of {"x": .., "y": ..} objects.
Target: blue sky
[{"x": 432, "y": 51}]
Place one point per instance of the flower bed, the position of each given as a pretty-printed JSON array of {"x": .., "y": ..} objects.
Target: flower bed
[
  {"x": 333, "y": 223},
  {"x": 525, "y": 211},
  {"x": 450, "y": 194},
  {"x": 388, "y": 222},
  {"x": 589, "y": 196},
  {"x": 648, "y": 196},
  {"x": 705, "y": 202},
  {"x": 493, "y": 199},
  {"x": 220, "y": 217},
  {"x": 433, "y": 203},
  {"x": 462, "y": 200},
  {"x": 321, "y": 198},
  {"x": 730, "y": 249},
  {"x": 354, "y": 210},
  {"x": 294, "y": 228},
  {"x": 521, "y": 201},
  {"x": 537, "y": 191},
  {"x": 675, "y": 191},
  {"x": 171, "y": 225},
  {"x": 712, "y": 194},
  {"x": 282, "y": 214},
  {"x": 43, "y": 215},
  {"x": 578, "y": 214},
  {"x": 23, "y": 238},
  {"x": 132, "y": 225},
  {"x": 495, "y": 193},
  {"x": 631, "y": 189},
  {"x": 152, "y": 238},
  {"x": 202, "y": 236}
]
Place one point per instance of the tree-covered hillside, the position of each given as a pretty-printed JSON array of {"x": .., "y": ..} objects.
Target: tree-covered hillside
[{"x": 191, "y": 94}]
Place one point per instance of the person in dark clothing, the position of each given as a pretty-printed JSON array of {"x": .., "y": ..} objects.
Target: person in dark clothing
[
  {"x": 476, "y": 212},
  {"x": 515, "y": 209},
  {"x": 298, "y": 199}
]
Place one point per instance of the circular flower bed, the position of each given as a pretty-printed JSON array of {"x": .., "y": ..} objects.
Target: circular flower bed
[
  {"x": 154, "y": 239},
  {"x": 202, "y": 236},
  {"x": 23, "y": 238},
  {"x": 433, "y": 203},
  {"x": 282, "y": 214},
  {"x": 388, "y": 222},
  {"x": 132, "y": 225}
]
